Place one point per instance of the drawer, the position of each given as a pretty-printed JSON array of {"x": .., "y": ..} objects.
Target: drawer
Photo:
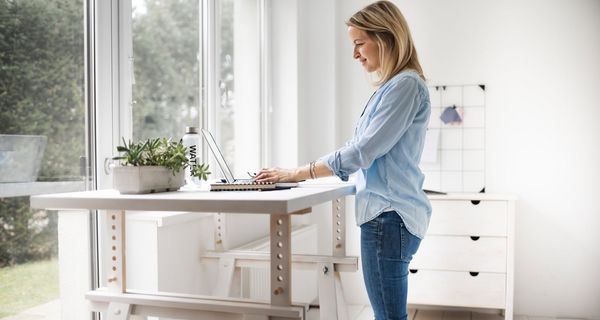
[
  {"x": 461, "y": 289},
  {"x": 461, "y": 217},
  {"x": 460, "y": 253}
]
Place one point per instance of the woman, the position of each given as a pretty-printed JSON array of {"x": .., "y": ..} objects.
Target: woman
[{"x": 391, "y": 208}]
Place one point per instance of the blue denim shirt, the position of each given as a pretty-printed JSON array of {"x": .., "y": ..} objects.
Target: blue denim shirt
[{"x": 385, "y": 150}]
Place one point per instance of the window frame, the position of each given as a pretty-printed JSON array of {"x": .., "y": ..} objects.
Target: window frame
[
  {"x": 110, "y": 87},
  {"x": 104, "y": 30},
  {"x": 210, "y": 78},
  {"x": 118, "y": 101},
  {"x": 110, "y": 83}
]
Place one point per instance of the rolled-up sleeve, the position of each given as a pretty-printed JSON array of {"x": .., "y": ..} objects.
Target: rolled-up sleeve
[{"x": 389, "y": 121}]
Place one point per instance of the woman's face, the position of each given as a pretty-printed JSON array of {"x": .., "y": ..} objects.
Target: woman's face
[{"x": 366, "y": 50}]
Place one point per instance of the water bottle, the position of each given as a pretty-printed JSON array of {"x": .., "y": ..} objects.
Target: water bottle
[{"x": 191, "y": 140}]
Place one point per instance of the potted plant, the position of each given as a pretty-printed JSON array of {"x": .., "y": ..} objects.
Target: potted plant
[{"x": 154, "y": 165}]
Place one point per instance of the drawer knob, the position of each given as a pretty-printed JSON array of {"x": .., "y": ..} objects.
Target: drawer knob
[
  {"x": 413, "y": 270},
  {"x": 474, "y": 238},
  {"x": 473, "y": 273},
  {"x": 476, "y": 202}
]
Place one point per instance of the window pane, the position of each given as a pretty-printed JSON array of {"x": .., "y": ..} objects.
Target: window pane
[
  {"x": 237, "y": 123},
  {"x": 166, "y": 90},
  {"x": 42, "y": 138}
]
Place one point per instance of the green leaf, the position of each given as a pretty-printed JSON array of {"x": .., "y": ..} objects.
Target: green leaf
[{"x": 201, "y": 171}]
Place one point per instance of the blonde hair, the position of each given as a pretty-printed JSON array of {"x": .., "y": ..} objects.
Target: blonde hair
[{"x": 384, "y": 23}]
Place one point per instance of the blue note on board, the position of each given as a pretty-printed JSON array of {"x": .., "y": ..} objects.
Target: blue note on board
[{"x": 450, "y": 115}]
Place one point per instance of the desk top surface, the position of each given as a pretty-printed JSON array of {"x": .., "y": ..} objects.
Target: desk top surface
[{"x": 305, "y": 196}]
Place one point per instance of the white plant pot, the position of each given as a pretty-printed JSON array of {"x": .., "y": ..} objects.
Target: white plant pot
[{"x": 146, "y": 179}]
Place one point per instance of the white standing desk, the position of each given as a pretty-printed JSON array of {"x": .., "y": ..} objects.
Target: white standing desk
[{"x": 120, "y": 303}]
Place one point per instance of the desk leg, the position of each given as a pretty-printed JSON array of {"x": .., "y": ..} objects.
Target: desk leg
[
  {"x": 116, "y": 242},
  {"x": 331, "y": 297},
  {"x": 338, "y": 232},
  {"x": 281, "y": 254},
  {"x": 219, "y": 231}
]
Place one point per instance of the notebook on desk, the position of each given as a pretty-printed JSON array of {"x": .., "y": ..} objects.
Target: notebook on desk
[{"x": 231, "y": 183}]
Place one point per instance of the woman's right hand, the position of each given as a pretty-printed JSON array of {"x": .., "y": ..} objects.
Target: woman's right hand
[{"x": 276, "y": 174}]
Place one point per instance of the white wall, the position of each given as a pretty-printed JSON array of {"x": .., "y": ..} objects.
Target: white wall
[
  {"x": 246, "y": 53},
  {"x": 317, "y": 80},
  {"x": 540, "y": 61},
  {"x": 284, "y": 73}
]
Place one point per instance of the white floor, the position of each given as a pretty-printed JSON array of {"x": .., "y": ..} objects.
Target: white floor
[
  {"x": 366, "y": 313},
  {"x": 51, "y": 311}
]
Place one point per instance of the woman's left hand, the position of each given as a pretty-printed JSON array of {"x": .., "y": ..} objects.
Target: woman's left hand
[{"x": 276, "y": 175}]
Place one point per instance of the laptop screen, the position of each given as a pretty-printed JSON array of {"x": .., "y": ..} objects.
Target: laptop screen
[{"x": 218, "y": 156}]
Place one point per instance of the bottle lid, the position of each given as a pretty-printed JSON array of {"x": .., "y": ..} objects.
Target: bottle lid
[{"x": 191, "y": 129}]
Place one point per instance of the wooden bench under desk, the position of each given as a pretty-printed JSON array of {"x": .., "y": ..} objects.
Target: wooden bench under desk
[
  {"x": 331, "y": 300},
  {"x": 254, "y": 259},
  {"x": 162, "y": 304},
  {"x": 280, "y": 205}
]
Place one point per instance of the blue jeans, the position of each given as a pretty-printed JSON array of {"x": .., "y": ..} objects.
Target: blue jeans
[{"x": 386, "y": 249}]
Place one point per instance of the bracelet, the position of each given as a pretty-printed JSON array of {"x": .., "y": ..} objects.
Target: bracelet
[{"x": 311, "y": 169}]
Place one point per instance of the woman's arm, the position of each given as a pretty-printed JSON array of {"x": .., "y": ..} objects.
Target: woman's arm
[
  {"x": 395, "y": 112},
  {"x": 293, "y": 175}
]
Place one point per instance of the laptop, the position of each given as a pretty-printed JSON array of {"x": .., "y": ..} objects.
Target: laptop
[{"x": 230, "y": 183}]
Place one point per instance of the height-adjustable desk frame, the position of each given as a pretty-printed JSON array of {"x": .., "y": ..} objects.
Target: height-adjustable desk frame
[{"x": 120, "y": 303}]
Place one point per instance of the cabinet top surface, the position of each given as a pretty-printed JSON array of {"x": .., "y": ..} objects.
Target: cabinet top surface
[
  {"x": 277, "y": 201},
  {"x": 473, "y": 196}
]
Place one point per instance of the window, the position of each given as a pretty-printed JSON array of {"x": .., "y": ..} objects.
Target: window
[
  {"x": 236, "y": 112},
  {"x": 44, "y": 114},
  {"x": 194, "y": 63},
  {"x": 43, "y": 140},
  {"x": 166, "y": 64},
  {"x": 168, "y": 77}
]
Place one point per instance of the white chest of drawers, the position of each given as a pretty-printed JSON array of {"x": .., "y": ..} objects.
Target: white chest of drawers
[{"x": 467, "y": 257}]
